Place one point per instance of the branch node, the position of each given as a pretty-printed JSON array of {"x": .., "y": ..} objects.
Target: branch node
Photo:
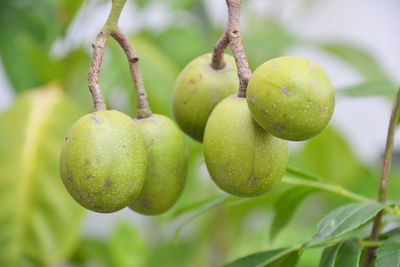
[
  {"x": 134, "y": 59},
  {"x": 235, "y": 33},
  {"x": 235, "y": 39}
]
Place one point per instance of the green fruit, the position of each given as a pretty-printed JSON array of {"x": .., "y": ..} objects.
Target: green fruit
[
  {"x": 103, "y": 161},
  {"x": 167, "y": 161},
  {"x": 241, "y": 157},
  {"x": 291, "y": 97},
  {"x": 198, "y": 89}
]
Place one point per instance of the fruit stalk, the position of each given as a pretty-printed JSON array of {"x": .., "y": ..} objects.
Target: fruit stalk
[
  {"x": 384, "y": 177},
  {"x": 142, "y": 106},
  {"x": 235, "y": 39},
  {"x": 98, "y": 52},
  {"x": 217, "y": 61}
]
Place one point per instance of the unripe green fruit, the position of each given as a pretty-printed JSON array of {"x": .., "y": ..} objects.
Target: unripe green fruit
[
  {"x": 103, "y": 161},
  {"x": 198, "y": 89},
  {"x": 291, "y": 98},
  {"x": 167, "y": 161},
  {"x": 241, "y": 157}
]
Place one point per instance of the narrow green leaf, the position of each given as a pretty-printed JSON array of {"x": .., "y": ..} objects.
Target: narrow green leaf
[
  {"x": 181, "y": 43},
  {"x": 92, "y": 252},
  {"x": 271, "y": 258},
  {"x": 388, "y": 234},
  {"x": 359, "y": 59},
  {"x": 127, "y": 246},
  {"x": 329, "y": 255},
  {"x": 349, "y": 253},
  {"x": 36, "y": 25},
  {"x": 388, "y": 254},
  {"x": 192, "y": 207},
  {"x": 286, "y": 206},
  {"x": 39, "y": 221},
  {"x": 142, "y": 3},
  {"x": 346, "y": 253},
  {"x": 329, "y": 155},
  {"x": 296, "y": 172},
  {"x": 345, "y": 219},
  {"x": 206, "y": 207},
  {"x": 266, "y": 39},
  {"x": 182, "y": 4},
  {"x": 370, "y": 88}
]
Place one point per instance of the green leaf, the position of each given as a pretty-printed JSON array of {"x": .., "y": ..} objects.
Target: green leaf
[
  {"x": 183, "y": 43},
  {"x": 302, "y": 174},
  {"x": 182, "y": 4},
  {"x": 192, "y": 207},
  {"x": 329, "y": 155},
  {"x": 92, "y": 251},
  {"x": 127, "y": 246},
  {"x": 286, "y": 206},
  {"x": 388, "y": 254},
  {"x": 142, "y": 3},
  {"x": 36, "y": 25},
  {"x": 359, "y": 59},
  {"x": 271, "y": 258},
  {"x": 388, "y": 234},
  {"x": 208, "y": 206},
  {"x": 345, "y": 219},
  {"x": 379, "y": 88},
  {"x": 265, "y": 40},
  {"x": 329, "y": 254},
  {"x": 39, "y": 221},
  {"x": 345, "y": 253}
]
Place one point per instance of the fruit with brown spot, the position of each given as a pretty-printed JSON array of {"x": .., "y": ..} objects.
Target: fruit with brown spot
[
  {"x": 167, "y": 165},
  {"x": 241, "y": 157},
  {"x": 291, "y": 98},
  {"x": 103, "y": 161},
  {"x": 198, "y": 89}
]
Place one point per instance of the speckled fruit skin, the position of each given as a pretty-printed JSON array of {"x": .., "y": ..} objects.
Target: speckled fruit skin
[
  {"x": 241, "y": 157},
  {"x": 103, "y": 161},
  {"x": 167, "y": 165},
  {"x": 291, "y": 97},
  {"x": 198, "y": 89}
]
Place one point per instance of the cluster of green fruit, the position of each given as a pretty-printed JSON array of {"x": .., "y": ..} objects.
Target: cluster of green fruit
[
  {"x": 109, "y": 161},
  {"x": 245, "y": 139}
]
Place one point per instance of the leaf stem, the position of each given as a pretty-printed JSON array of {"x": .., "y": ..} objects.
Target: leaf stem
[
  {"x": 368, "y": 244},
  {"x": 235, "y": 39},
  {"x": 217, "y": 61},
  {"x": 323, "y": 243},
  {"x": 337, "y": 189},
  {"x": 382, "y": 195},
  {"x": 299, "y": 172},
  {"x": 142, "y": 107},
  {"x": 98, "y": 53},
  {"x": 215, "y": 203},
  {"x": 364, "y": 243},
  {"x": 320, "y": 183}
]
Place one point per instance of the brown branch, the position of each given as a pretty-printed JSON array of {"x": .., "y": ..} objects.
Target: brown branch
[
  {"x": 217, "y": 61},
  {"x": 371, "y": 252},
  {"x": 142, "y": 106},
  {"x": 98, "y": 53},
  {"x": 235, "y": 39}
]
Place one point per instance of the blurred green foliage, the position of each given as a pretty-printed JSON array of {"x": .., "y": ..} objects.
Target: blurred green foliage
[{"x": 40, "y": 223}]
